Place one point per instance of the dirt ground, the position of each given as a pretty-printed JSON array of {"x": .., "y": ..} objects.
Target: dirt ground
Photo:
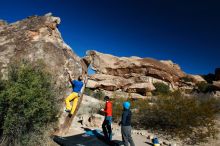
[{"x": 77, "y": 137}]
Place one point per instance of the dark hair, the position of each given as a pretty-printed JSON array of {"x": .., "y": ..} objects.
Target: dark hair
[
  {"x": 106, "y": 98},
  {"x": 80, "y": 78}
]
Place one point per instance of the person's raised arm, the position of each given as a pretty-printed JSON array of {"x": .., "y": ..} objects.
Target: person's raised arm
[{"x": 70, "y": 79}]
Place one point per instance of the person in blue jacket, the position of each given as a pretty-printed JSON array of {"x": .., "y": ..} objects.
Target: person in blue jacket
[
  {"x": 126, "y": 125},
  {"x": 76, "y": 87}
]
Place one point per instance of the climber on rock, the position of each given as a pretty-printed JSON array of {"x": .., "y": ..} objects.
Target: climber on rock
[
  {"x": 76, "y": 87},
  {"x": 106, "y": 125}
]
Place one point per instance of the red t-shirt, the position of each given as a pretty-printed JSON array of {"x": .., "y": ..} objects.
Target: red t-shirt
[{"x": 108, "y": 108}]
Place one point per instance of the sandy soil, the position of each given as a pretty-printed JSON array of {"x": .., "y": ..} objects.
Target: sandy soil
[{"x": 76, "y": 136}]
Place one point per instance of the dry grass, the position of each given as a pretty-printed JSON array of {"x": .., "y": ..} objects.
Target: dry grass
[{"x": 192, "y": 119}]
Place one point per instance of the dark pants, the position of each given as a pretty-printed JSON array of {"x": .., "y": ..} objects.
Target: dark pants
[
  {"x": 106, "y": 127},
  {"x": 126, "y": 135}
]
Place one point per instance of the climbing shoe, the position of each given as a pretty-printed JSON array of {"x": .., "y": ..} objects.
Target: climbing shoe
[
  {"x": 67, "y": 110},
  {"x": 69, "y": 115}
]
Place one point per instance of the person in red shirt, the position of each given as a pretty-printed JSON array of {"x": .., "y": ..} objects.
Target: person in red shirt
[{"x": 106, "y": 125}]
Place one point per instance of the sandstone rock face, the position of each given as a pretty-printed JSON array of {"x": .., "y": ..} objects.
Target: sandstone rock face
[
  {"x": 197, "y": 78},
  {"x": 141, "y": 87},
  {"x": 87, "y": 112},
  {"x": 131, "y": 74},
  {"x": 123, "y": 94},
  {"x": 90, "y": 105},
  {"x": 38, "y": 38},
  {"x": 130, "y": 67},
  {"x": 34, "y": 38}
]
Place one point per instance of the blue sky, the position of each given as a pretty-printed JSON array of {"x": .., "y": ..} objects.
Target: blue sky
[{"x": 187, "y": 32}]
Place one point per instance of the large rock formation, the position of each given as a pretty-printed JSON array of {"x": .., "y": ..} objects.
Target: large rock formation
[
  {"x": 35, "y": 38},
  {"x": 135, "y": 66},
  {"x": 131, "y": 74}
]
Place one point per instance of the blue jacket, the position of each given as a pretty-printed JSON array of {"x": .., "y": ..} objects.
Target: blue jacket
[
  {"x": 126, "y": 117},
  {"x": 77, "y": 86}
]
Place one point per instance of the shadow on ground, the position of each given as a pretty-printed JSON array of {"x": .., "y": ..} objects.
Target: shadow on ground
[
  {"x": 85, "y": 140},
  {"x": 151, "y": 144}
]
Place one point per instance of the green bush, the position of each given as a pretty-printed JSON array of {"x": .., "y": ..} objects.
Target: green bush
[
  {"x": 98, "y": 95},
  {"x": 161, "y": 88},
  {"x": 205, "y": 87},
  {"x": 2, "y": 88},
  {"x": 27, "y": 104},
  {"x": 188, "y": 118},
  {"x": 88, "y": 91},
  {"x": 117, "y": 108}
]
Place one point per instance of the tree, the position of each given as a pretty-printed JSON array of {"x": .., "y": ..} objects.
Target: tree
[{"x": 27, "y": 103}]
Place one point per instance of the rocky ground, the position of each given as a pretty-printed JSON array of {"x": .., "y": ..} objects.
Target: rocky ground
[{"x": 76, "y": 134}]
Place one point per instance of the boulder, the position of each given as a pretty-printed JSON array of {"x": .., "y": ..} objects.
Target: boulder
[
  {"x": 141, "y": 88},
  {"x": 108, "y": 85},
  {"x": 38, "y": 38},
  {"x": 110, "y": 82},
  {"x": 34, "y": 38},
  {"x": 197, "y": 78},
  {"x": 171, "y": 64},
  {"x": 96, "y": 120},
  {"x": 123, "y": 94},
  {"x": 89, "y": 106},
  {"x": 131, "y": 74},
  {"x": 216, "y": 84},
  {"x": 126, "y": 66},
  {"x": 92, "y": 84}
]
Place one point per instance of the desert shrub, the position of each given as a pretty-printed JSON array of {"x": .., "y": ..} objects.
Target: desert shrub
[
  {"x": 188, "y": 118},
  {"x": 205, "y": 87},
  {"x": 185, "y": 117},
  {"x": 27, "y": 104},
  {"x": 88, "y": 91},
  {"x": 98, "y": 95},
  {"x": 2, "y": 88},
  {"x": 117, "y": 108},
  {"x": 161, "y": 88}
]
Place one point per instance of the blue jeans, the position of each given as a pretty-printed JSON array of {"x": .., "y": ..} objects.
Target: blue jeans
[{"x": 106, "y": 127}]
